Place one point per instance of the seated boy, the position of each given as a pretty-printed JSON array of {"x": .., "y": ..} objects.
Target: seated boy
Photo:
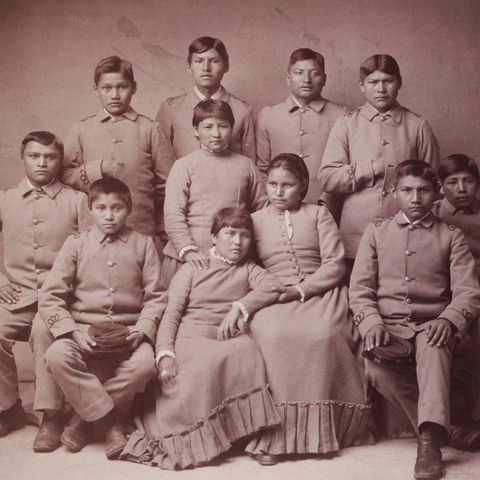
[
  {"x": 207, "y": 62},
  {"x": 414, "y": 277},
  {"x": 364, "y": 148},
  {"x": 107, "y": 274},
  {"x": 36, "y": 216},
  {"x": 118, "y": 142}
]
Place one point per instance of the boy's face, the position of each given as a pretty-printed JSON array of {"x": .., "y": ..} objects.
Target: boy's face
[
  {"x": 115, "y": 92},
  {"x": 41, "y": 162},
  {"x": 460, "y": 189},
  {"x": 214, "y": 133},
  {"x": 232, "y": 243},
  {"x": 306, "y": 79},
  {"x": 381, "y": 90},
  {"x": 415, "y": 196},
  {"x": 109, "y": 213},
  {"x": 208, "y": 69}
]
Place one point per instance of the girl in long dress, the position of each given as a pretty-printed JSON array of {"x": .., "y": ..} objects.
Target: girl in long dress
[
  {"x": 212, "y": 387},
  {"x": 308, "y": 338}
]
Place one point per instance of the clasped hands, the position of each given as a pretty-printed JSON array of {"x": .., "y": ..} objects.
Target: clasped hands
[{"x": 86, "y": 342}]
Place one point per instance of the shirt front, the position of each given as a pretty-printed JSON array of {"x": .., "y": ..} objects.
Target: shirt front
[
  {"x": 291, "y": 128},
  {"x": 140, "y": 156},
  {"x": 406, "y": 275},
  {"x": 104, "y": 278},
  {"x": 35, "y": 222},
  {"x": 359, "y": 162}
]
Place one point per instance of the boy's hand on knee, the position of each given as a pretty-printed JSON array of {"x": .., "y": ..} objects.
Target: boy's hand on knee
[
  {"x": 167, "y": 371},
  {"x": 229, "y": 328},
  {"x": 84, "y": 340},
  {"x": 197, "y": 260},
  {"x": 136, "y": 338},
  {"x": 439, "y": 332},
  {"x": 376, "y": 336},
  {"x": 9, "y": 293}
]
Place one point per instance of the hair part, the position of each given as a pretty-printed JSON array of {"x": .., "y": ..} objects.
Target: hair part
[
  {"x": 306, "y": 54},
  {"x": 232, "y": 217},
  {"x": 114, "y": 64},
  {"x": 293, "y": 164},
  {"x": 213, "y": 109},
  {"x": 204, "y": 44},
  {"x": 43, "y": 138},
  {"x": 385, "y": 63},
  {"x": 107, "y": 186},
  {"x": 416, "y": 168},
  {"x": 458, "y": 163}
]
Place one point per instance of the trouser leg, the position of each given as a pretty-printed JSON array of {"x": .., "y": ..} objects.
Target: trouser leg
[{"x": 11, "y": 325}]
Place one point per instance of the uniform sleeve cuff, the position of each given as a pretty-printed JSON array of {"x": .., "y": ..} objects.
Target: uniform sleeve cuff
[
  {"x": 147, "y": 327},
  {"x": 59, "y": 327},
  {"x": 93, "y": 171},
  {"x": 365, "y": 321}
]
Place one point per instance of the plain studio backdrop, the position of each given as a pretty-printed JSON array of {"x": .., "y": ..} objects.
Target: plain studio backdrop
[{"x": 49, "y": 50}]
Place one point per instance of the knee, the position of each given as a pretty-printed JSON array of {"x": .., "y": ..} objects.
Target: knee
[{"x": 59, "y": 354}]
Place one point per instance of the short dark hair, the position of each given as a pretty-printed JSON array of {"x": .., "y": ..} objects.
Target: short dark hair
[
  {"x": 204, "y": 44},
  {"x": 385, "y": 63},
  {"x": 107, "y": 186},
  {"x": 213, "y": 109},
  {"x": 43, "y": 138},
  {"x": 295, "y": 165},
  {"x": 416, "y": 168},
  {"x": 457, "y": 163},
  {"x": 114, "y": 64},
  {"x": 306, "y": 54},
  {"x": 231, "y": 217}
]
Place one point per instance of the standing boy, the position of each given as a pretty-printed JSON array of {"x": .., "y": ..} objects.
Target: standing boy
[
  {"x": 207, "y": 63},
  {"x": 365, "y": 147},
  {"x": 414, "y": 277},
  {"x": 114, "y": 275},
  {"x": 300, "y": 124},
  {"x": 120, "y": 143},
  {"x": 36, "y": 216}
]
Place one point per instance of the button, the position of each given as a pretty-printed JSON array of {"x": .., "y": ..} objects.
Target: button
[
  {"x": 38, "y": 271},
  {"x": 383, "y": 142},
  {"x": 302, "y": 155},
  {"x": 408, "y": 253},
  {"x": 408, "y": 279},
  {"x": 301, "y": 132},
  {"x": 35, "y": 246},
  {"x": 109, "y": 240},
  {"x": 110, "y": 312},
  {"x": 384, "y": 193},
  {"x": 110, "y": 264},
  {"x": 35, "y": 221},
  {"x": 302, "y": 110},
  {"x": 114, "y": 140},
  {"x": 409, "y": 300},
  {"x": 408, "y": 319},
  {"x": 411, "y": 227},
  {"x": 36, "y": 197},
  {"x": 112, "y": 289}
]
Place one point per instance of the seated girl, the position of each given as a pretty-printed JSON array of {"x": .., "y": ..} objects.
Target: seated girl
[
  {"x": 212, "y": 384},
  {"x": 307, "y": 338},
  {"x": 199, "y": 184}
]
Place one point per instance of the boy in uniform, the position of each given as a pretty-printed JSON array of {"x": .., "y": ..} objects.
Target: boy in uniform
[
  {"x": 207, "y": 63},
  {"x": 414, "y": 278},
  {"x": 36, "y": 216},
  {"x": 114, "y": 273},
  {"x": 300, "y": 124},
  {"x": 120, "y": 143},
  {"x": 365, "y": 147}
]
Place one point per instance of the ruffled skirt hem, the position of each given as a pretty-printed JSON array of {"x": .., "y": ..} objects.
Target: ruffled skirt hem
[
  {"x": 315, "y": 428},
  {"x": 238, "y": 416}
]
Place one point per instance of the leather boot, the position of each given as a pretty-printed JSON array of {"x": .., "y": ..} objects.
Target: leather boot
[
  {"x": 75, "y": 434},
  {"x": 429, "y": 456},
  {"x": 12, "y": 419},
  {"x": 114, "y": 429},
  {"x": 48, "y": 436}
]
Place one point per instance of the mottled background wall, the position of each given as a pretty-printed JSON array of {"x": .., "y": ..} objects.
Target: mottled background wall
[{"x": 49, "y": 49}]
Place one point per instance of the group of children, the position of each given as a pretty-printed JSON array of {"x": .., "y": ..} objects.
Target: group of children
[{"x": 241, "y": 351}]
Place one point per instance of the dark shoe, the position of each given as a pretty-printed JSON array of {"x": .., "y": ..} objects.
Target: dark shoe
[
  {"x": 75, "y": 434},
  {"x": 12, "y": 419},
  {"x": 429, "y": 456},
  {"x": 266, "y": 459},
  {"x": 48, "y": 436},
  {"x": 115, "y": 441},
  {"x": 464, "y": 438}
]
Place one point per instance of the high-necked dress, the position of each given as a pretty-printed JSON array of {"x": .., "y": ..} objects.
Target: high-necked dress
[
  {"x": 221, "y": 392},
  {"x": 310, "y": 349}
]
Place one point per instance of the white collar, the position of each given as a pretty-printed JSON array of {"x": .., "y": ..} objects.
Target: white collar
[
  {"x": 215, "y": 96},
  {"x": 416, "y": 222},
  {"x": 43, "y": 186},
  {"x": 214, "y": 254}
]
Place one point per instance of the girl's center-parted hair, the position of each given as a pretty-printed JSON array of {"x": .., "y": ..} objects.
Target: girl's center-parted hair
[{"x": 293, "y": 164}]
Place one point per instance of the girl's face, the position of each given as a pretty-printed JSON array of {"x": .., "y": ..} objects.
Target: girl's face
[
  {"x": 232, "y": 243},
  {"x": 214, "y": 133},
  {"x": 284, "y": 189},
  {"x": 460, "y": 189}
]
